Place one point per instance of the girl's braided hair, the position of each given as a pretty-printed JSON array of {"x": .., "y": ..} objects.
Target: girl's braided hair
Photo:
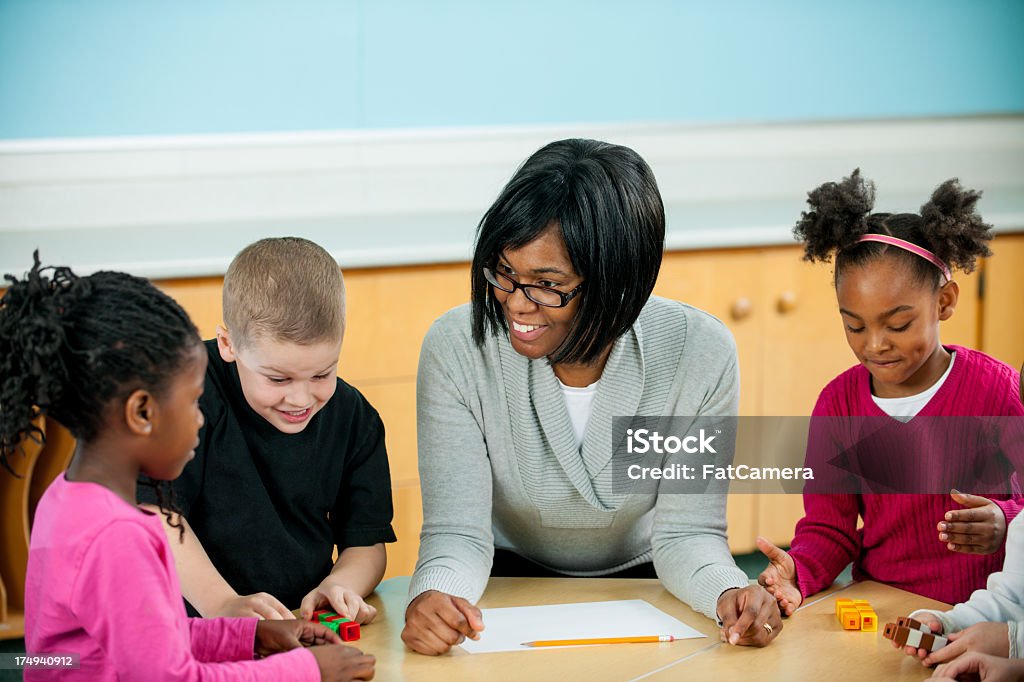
[{"x": 70, "y": 345}]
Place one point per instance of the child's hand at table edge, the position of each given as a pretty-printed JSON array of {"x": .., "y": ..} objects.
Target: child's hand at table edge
[
  {"x": 988, "y": 638},
  {"x": 259, "y": 605},
  {"x": 342, "y": 663},
  {"x": 275, "y": 636},
  {"x": 338, "y": 598}
]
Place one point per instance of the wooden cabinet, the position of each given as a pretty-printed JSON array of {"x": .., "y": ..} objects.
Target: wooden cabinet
[
  {"x": 1002, "y": 323},
  {"x": 389, "y": 313},
  {"x": 782, "y": 313}
]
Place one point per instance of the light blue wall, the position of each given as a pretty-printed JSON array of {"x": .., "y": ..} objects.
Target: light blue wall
[{"x": 130, "y": 67}]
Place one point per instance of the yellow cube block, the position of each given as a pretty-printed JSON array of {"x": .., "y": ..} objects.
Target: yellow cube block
[
  {"x": 842, "y": 604},
  {"x": 868, "y": 620},
  {"x": 850, "y": 618}
]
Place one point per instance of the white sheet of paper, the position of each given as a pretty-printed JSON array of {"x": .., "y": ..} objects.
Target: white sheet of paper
[{"x": 506, "y": 629}]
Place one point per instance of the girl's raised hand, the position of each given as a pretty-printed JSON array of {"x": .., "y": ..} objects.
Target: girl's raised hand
[
  {"x": 780, "y": 577},
  {"x": 979, "y": 529}
]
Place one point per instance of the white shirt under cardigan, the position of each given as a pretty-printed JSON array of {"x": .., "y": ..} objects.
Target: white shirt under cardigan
[
  {"x": 579, "y": 403},
  {"x": 497, "y": 453},
  {"x": 905, "y": 409}
]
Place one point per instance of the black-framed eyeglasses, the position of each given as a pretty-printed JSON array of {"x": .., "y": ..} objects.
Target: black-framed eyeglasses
[{"x": 545, "y": 296}]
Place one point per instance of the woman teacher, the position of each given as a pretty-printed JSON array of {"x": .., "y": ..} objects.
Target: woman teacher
[{"x": 516, "y": 392}]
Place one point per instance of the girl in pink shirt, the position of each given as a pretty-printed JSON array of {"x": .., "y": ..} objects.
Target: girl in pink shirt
[
  {"x": 894, "y": 287},
  {"x": 121, "y": 366}
]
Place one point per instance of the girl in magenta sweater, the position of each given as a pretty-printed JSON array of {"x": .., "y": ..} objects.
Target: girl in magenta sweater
[
  {"x": 894, "y": 286},
  {"x": 121, "y": 365}
]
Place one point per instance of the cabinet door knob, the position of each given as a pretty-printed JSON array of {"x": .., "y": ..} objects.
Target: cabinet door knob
[
  {"x": 786, "y": 303},
  {"x": 741, "y": 308}
]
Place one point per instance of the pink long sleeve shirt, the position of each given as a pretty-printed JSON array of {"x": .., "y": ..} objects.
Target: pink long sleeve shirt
[
  {"x": 898, "y": 544},
  {"x": 101, "y": 584}
]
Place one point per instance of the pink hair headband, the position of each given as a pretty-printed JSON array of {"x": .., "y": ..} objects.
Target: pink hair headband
[{"x": 912, "y": 248}]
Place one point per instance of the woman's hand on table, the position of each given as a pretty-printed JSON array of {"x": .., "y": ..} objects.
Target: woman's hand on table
[
  {"x": 435, "y": 622},
  {"x": 750, "y": 616}
]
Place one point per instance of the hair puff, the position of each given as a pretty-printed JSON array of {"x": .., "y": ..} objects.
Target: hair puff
[
  {"x": 955, "y": 228},
  {"x": 838, "y": 216}
]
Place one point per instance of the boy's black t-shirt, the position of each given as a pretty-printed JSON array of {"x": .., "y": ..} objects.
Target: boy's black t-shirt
[{"x": 269, "y": 507}]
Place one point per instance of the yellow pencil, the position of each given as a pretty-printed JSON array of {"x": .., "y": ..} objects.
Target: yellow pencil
[{"x": 601, "y": 640}]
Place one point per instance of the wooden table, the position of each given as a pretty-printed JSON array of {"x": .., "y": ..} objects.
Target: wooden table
[{"x": 812, "y": 645}]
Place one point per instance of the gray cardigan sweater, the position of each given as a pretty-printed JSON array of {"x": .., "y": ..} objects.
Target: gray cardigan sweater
[{"x": 499, "y": 464}]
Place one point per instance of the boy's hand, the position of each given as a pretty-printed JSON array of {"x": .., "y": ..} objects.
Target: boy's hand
[
  {"x": 275, "y": 636},
  {"x": 750, "y": 616},
  {"x": 435, "y": 622},
  {"x": 342, "y": 663},
  {"x": 979, "y": 529},
  {"x": 983, "y": 638},
  {"x": 980, "y": 666},
  {"x": 260, "y": 605},
  {"x": 931, "y": 621},
  {"x": 780, "y": 577},
  {"x": 340, "y": 599}
]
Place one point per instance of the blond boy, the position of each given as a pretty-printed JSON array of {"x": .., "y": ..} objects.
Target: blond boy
[{"x": 291, "y": 461}]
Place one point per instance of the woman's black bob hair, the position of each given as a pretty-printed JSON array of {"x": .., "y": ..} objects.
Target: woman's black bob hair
[{"x": 605, "y": 202}]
